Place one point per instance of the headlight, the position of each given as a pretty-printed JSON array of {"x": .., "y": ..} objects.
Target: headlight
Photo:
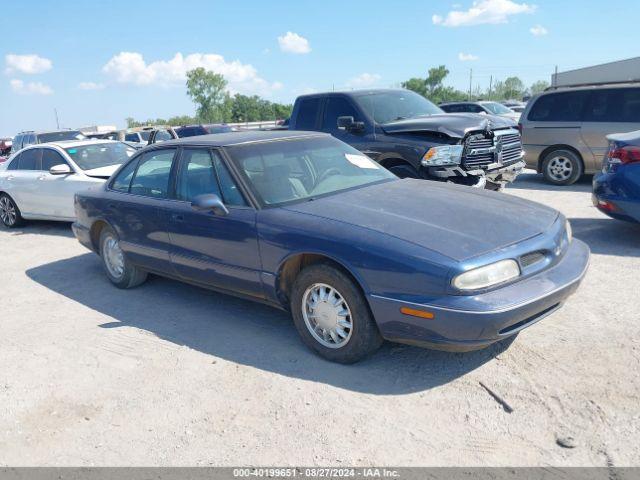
[
  {"x": 487, "y": 276},
  {"x": 569, "y": 231},
  {"x": 445, "y": 155}
]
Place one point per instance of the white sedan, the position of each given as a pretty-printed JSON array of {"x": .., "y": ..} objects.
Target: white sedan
[{"x": 39, "y": 182}]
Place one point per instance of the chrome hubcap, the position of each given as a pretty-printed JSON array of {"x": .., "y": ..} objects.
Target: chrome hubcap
[
  {"x": 560, "y": 168},
  {"x": 7, "y": 211},
  {"x": 327, "y": 315},
  {"x": 113, "y": 256}
]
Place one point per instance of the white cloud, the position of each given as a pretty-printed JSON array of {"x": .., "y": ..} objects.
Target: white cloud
[
  {"x": 363, "y": 80},
  {"x": 91, "y": 86},
  {"x": 31, "y": 88},
  {"x": 538, "y": 31},
  {"x": 467, "y": 57},
  {"x": 294, "y": 43},
  {"x": 131, "y": 68},
  {"x": 483, "y": 11},
  {"x": 29, "y": 64}
]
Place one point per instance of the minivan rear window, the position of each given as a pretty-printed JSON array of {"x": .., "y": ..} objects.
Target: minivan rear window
[{"x": 559, "y": 107}]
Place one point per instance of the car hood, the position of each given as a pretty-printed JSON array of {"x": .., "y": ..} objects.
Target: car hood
[
  {"x": 455, "y": 125},
  {"x": 456, "y": 221},
  {"x": 102, "y": 172}
]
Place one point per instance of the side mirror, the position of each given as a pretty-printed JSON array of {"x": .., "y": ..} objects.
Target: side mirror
[
  {"x": 210, "y": 203},
  {"x": 62, "y": 169},
  {"x": 350, "y": 125}
]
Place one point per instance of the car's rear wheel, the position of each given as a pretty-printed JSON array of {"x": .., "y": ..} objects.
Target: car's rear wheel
[
  {"x": 9, "y": 212},
  {"x": 561, "y": 167},
  {"x": 404, "y": 171},
  {"x": 332, "y": 315},
  {"x": 118, "y": 269}
]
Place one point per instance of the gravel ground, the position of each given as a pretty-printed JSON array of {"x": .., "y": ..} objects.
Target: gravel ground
[{"x": 168, "y": 374}]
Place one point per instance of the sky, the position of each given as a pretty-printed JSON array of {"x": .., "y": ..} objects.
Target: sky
[{"x": 102, "y": 61}]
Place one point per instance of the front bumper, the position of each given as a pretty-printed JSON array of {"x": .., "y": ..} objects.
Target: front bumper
[
  {"x": 470, "y": 322},
  {"x": 496, "y": 172},
  {"x": 83, "y": 235}
]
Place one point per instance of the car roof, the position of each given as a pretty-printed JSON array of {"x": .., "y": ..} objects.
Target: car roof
[
  {"x": 73, "y": 143},
  {"x": 356, "y": 93},
  {"x": 458, "y": 103},
  {"x": 244, "y": 136}
]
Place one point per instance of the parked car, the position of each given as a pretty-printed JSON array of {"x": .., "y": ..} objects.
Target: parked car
[
  {"x": 40, "y": 181},
  {"x": 413, "y": 138},
  {"x": 162, "y": 134},
  {"x": 304, "y": 222},
  {"x": 482, "y": 107},
  {"x": 5, "y": 148},
  {"x": 616, "y": 189},
  {"x": 564, "y": 129},
  {"x": 24, "y": 139}
]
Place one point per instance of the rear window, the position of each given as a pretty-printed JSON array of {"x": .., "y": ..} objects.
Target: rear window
[
  {"x": 614, "y": 105},
  {"x": 307, "y": 114},
  {"x": 63, "y": 135},
  {"x": 559, "y": 107}
]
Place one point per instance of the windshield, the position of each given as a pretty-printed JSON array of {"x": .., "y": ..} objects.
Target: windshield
[
  {"x": 386, "y": 107},
  {"x": 145, "y": 135},
  {"x": 98, "y": 155},
  {"x": 58, "y": 136},
  {"x": 496, "y": 108},
  {"x": 295, "y": 170}
]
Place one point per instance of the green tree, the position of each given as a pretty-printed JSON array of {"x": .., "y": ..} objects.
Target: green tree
[
  {"x": 539, "y": 86},
  {"x": 433, "y": 86},
  {"x": 513, "y": 88},
  {"x": 417, "y": 85},
  {"x": 208, "y": 91}
]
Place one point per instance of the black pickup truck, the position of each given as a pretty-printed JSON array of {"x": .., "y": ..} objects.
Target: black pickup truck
[{"x": 412, "y": 137}]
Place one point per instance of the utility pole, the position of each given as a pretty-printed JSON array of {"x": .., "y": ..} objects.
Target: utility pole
[
  {"x": 555, "y": 77},
  {"x": 490, "y": 85},
  {"x": 55, "y": 110},
  {"x": 470, "y": 81}
]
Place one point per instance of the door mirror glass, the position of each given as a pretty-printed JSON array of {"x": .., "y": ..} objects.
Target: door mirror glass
[
  {"x": 62, "y": 169},
  {"x": 350, "y": 125},
  {"x": 210, "y": 203}
]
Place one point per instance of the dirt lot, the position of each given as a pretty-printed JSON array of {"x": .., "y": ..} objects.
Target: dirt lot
[{"x": 168, "y": 374}]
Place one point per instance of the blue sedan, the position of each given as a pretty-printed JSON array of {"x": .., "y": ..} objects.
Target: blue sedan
[
  {"x": 616, "y": 189},
  {"x": 306, "y": 223}
]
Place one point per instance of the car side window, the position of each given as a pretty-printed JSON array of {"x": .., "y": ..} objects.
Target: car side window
[
  {"x": 51, "y": 158},
  {"x": 14, "y": 165},
  {"x": 197, "y": 176},
  {"x": 337, "y": 107},
  {"x": 307, "y": 114},
  {"x": 614, "y": 105},
  {"x": 151, "y": 179},
  {"x": 122, "y": 182},
  {"x": 30, "y": 159},
  {"x": 231, "y": 194},
  {"x": 131, "y": 137},
  {"x": 559, "y": 107}
]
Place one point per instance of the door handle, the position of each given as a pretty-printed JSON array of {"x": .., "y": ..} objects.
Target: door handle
[
  {"x": 42, "y": 177},
  {"x": 176, "y": 217},
  {"x": 112, "y": 206},
  {"x": 10, "y": 177}
]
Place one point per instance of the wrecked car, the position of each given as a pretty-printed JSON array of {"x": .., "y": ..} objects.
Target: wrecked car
[{"x": 413, "y": 138}]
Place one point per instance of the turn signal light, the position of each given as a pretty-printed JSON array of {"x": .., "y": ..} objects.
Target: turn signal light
[{"x": 417, "y": 313}]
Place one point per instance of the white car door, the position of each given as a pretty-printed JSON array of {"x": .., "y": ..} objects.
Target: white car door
[
  {"x": 21, "y": 181},
  {"x": 56, "y": 192}
]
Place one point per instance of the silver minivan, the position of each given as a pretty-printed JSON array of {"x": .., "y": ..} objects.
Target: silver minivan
[{"x": 564, "y": 129}]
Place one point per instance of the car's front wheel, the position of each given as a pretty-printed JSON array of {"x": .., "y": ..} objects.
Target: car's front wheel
[
  {"x": 562, "y": 167},
  {"x": 332, "y": 315},
  {"x": 9, "y": 212},
  {"x": 118, "y": 269}
]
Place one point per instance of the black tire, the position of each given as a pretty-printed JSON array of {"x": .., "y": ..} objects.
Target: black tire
[
  {"x": 404, "y": 171},
  {"x": 9, "y": 212},
  {"x": 364, "y": 336},
  {"x": 494, "y": 187},
  {"x": 131, "y": 275},
  {"x": 562, "y": 167}
]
